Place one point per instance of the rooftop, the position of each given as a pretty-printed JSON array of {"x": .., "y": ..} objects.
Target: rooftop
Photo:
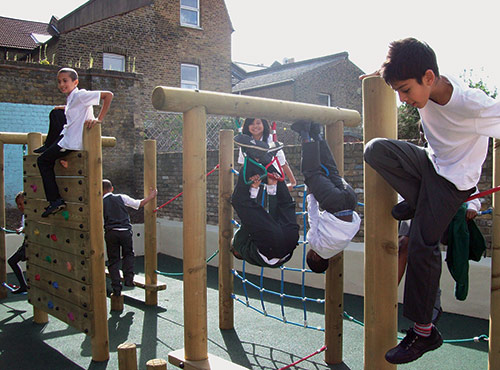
[{"x": 21, "y": 34}]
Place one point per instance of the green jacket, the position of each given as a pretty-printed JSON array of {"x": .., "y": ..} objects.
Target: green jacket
[{"x": 465, "y": 242}]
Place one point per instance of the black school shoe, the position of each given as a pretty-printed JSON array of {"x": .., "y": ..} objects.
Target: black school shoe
[
  {"x": 54, "y": 207},
  {"x": 414, "y": 346},
  {"x": 403, "y": 211},
  {"x": 40, "y": 150}
]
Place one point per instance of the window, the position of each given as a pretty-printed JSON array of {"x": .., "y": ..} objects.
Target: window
[
  {"x": 325, "y": 99},
  {"x": 113, "y": 62},
  {"x": 190, "y": 13},
  {"x": 189, "y": 76}
]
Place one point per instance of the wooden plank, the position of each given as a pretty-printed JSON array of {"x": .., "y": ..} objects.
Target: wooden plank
[
  {"x": 70, "y": 265},
  {"x": 69, "y": 313},
  {"x": 72, "y": 189},
  {"x": 74, "y": 216},
  {"x": 72, "y": 291},
  {"x": 68, "y": 240},
  {"x": 178, "y": 359},
  {"x": 140, "y": 282},
  {"x": 77, "y": 165}
]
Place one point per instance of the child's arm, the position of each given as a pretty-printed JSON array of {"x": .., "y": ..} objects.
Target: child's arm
[
  {"x": 60, "y": 107},
  {"x": 151, "y": 196},
  {"x": 288, "y": 172},
  {"x": 106, "y": 97}
]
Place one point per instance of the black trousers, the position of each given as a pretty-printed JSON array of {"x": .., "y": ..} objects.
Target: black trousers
[
  {"x": 330, "y": 190},
  {"x": 48, "y": 158},
  {"x": 120, "y": 242},
  {"x": 275, "y": 234},
  {"x": 18, "y": 256},
  {"x": 408, "y": 169}
]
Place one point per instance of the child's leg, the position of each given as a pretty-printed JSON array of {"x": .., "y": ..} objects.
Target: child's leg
[
  {"x": 113, "y": 250},
  {"x": 328, "y": 161},
  {"x": 19, "y": 255},
  {"x": 127, "y": 257},
  {"x": 46, "y": 162},
  {"x": 331, "y": 196},
  {"x": 287, "y": 220},
  {"x": 57, "y": 120}
]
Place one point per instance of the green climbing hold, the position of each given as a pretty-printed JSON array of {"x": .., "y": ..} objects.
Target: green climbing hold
[{"x": 65, "y": 214}]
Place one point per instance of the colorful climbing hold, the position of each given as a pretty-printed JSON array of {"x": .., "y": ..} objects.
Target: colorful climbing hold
[
  {"x": 71, "y": 316},
  {"x": 68, "y": 266},
  {"x": 55, "y": 285},
  {"x": 36, "y": 232},
  {"x": 37, "y": 277},
  {"x": 48, "y": 259},
  {"x": 50, "y": 305},
  {"x": 65, "y": 214},
  {"x": 33, "y": 187},
  {"x": 53, "y": 237}
]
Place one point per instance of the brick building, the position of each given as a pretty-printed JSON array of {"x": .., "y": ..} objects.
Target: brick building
[{"x": 330, "y": 80}]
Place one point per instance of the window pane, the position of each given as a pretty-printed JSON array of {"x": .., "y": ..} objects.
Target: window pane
[
  {"x": 189, "y": 17},
  {"x": 191, "y": 3},
  {"x": 189, "y": 73},
  {"x": 324, "y": 99},
  {"x": 113, "y": 62},
  {"x": 189, "y": 86}
]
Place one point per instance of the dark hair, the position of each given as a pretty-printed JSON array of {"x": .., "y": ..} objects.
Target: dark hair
[
  {"x": 315, "y": 262},
  {"x": 408, "y": 58},
  {"x": 72, "y": 73},
  {"x": 106, "y": 185},
  {"x": 265, "y": 134},
  {"x": 19, "y": 196}
]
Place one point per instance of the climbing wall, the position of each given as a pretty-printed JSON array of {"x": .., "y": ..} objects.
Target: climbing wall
[{"x": 59, "y": 268}]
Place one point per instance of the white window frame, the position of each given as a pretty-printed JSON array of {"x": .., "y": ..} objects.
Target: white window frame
[
  {"x": 192, "y": 9},
  {"x": 115, "y": 57},
  {"x": 189, "y": 84},
  {"x": 328, "y": 98}
]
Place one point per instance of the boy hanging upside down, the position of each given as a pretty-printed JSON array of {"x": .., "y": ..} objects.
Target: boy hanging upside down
[
  {"x": 264, "y": 239},
  {"x": 332, "y": 229}
]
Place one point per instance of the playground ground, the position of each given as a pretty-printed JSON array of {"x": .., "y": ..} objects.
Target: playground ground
[{"x": 257, "y": 342}]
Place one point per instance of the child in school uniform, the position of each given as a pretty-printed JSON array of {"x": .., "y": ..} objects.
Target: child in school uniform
[
  {"x": 20, "y": 254},
  {"x": 118, "y": 233},
  {"x": 331, "y": 201},
  {"x": 78, "y": 113},
  {"x": 434, "y": 181}
]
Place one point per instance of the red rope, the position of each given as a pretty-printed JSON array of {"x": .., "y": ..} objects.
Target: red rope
[
  {"x": 483, "y": 193},
  {"x": 275, "y": 137},
  {"x": 275, "y": 159},
  {"x": 303, "y": 359},
  {"x": 178, "y": 195}
]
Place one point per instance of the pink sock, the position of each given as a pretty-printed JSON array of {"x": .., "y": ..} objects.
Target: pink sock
[{"x": 423, "y": 330}]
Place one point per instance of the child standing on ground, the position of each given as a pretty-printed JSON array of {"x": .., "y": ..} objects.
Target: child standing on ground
[
  {"x": 259, "y": 129},
  {"x": 332, "y": 229},
  {"x": 78, "y": 113},
  {"x": 457, "y": 122},
  {"x": 20, "y": 254},
  {"x": 118, "y": 234}
]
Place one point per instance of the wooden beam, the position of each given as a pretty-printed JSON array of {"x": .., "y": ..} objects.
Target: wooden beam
[{"x": 173, "y": 99}]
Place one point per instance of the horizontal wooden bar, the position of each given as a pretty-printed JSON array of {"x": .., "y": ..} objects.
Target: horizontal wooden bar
[
  {"x": 173, "y": 99},
  {"x": 74, "y": 216},
  {"x": 76, "y": 165},
  {"x": 72, "y": 189},
  {"x": 140, "y": 282},
  {"x": 22, "y": 138}
]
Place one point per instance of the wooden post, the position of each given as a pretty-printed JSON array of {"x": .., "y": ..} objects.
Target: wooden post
[
  {"x": 127, "y": 356},
  {"x": 194, "y": 234},
  {"x": 156, "y": 364},
  {"x": 117, "y": 302},
  {"x": 226, "y": 283},
  {"x": 381, "y": 248},
  {"x": 334, "y": 285},
  {"x": 100, "y": 339},
  {"x": 150, "y": 247},
  {"x": 494, "y": 337},
  {"x": 35, "y": 141}
]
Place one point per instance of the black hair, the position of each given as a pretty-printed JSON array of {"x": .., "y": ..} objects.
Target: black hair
[
  {"x": 265, "y": 134},
  {"x": 72, "y": 73},
  {"x": 106, "y": 185},
  {"x": 19, "y": 195},
  {"x": 315, "y": 262},
  {"x": 408, "y": 58}
]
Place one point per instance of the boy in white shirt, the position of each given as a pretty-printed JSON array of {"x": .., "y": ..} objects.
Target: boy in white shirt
[
  {"x": 333, "y": 228},
  {"x": 435, "y": 181},
  {"x": 78, "y": 112}
]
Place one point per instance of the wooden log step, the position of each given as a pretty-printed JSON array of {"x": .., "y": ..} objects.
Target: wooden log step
[{"x": 140, "y": 282}]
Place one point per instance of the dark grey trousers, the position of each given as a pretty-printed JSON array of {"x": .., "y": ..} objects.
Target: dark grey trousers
[{"x": 408, "y": 169}]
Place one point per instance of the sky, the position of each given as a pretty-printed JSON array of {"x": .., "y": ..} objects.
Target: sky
[{"x": 463, "y": 35}]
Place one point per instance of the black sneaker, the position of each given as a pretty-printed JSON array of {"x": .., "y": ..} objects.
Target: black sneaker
[
  {"x": 116, "y": 292},
  {"x": 129, "y": 284},
  {"x": 40, "y": 149},
  {"x": 403, "y": 211},
  {"x": 54, "y": 207},
  {"x": 20, "y": 290},
  {"x": 413, "y": 346}
]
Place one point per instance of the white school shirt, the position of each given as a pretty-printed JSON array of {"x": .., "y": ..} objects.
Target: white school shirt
[
  {"x": 329, "y": 235},
  {"x": 279, "y": 154},
  {"x": 458, "y": 133},
  {"x": 78, "y": 109}
]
